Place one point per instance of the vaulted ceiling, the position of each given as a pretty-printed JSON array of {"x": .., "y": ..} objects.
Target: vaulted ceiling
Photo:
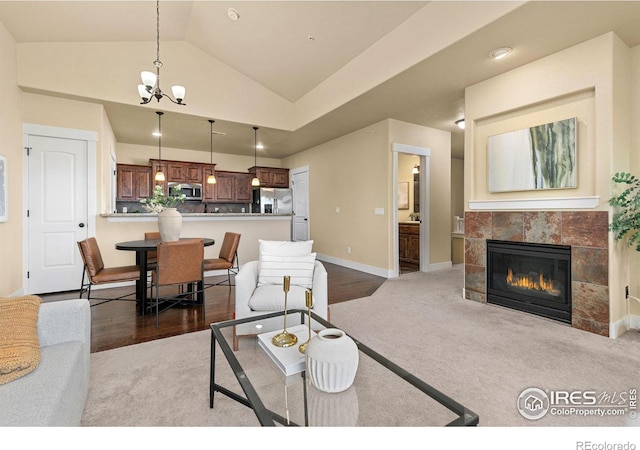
[{"x": 291, "y": 47}]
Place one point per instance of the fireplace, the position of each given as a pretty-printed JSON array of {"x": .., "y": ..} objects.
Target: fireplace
[{"x": 530, "y": 277}]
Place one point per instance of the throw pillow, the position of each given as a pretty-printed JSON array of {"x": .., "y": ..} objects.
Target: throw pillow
[
  {"x": 285, "y": 248},
  {"x": 273, "y": 269},
  {"x": 19, "y": 344}
]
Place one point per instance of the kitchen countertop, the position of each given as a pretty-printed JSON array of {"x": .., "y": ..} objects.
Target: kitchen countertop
[{"x": 127, "y": 217}]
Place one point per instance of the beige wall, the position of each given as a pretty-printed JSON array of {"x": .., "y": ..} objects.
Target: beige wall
[
  {"x": 81, "y": 71},
  {"x": 439, "y": 189},
  {"x": 11, "y": 132},
  {"x": 634, "y": 164},
  {"x": 590, "y": 81},
  {"x": 350, "y": 173},
  {"x": 457, "y": 189},
  {"x": 354, "y": 173}
]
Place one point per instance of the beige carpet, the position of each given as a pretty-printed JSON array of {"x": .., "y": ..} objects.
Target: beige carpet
[{"x": 483, "y": 356}]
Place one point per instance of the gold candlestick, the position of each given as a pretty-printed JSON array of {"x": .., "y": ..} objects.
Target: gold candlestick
[
  {"x": 285, "y": 339},
  {"x": 308, "y": 301}
]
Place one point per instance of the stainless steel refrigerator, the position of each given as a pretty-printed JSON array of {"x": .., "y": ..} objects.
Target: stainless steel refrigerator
[{"x": 272, "y": 201}]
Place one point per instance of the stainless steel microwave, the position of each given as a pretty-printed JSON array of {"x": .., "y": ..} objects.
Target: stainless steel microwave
[{"x": 192, "y": 191}]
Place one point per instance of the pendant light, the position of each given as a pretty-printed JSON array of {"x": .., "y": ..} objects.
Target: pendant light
[
  {"x": 150, "y": 87},
  {"x": 255, "y": 182},
  {"x": 159, "y": 174},
  {"x": 211, "y": 179}
]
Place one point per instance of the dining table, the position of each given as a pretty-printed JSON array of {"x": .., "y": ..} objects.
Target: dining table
[{"x": 141, "y": 247}]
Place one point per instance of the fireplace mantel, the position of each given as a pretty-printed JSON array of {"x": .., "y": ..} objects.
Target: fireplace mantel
[{"x": 538, "y": 204}]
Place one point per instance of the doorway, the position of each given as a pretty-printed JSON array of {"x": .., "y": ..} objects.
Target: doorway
[
  {"x": 410, "y": 222},
  {"x": 59, "y": 198},
  {"x": 300, "y": 219}
]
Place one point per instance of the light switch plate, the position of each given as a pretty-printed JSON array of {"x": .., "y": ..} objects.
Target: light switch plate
[{"x": 379, "y": 211}]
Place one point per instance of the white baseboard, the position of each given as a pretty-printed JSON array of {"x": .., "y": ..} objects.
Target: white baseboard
[
  {"x": 619, "y": 327},
  {"x": 356, "y": 266},
  {"x": 439, "y": 266}
]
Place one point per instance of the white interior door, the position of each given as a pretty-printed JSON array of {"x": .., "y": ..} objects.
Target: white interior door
[
  {"x": 57, "y": 212},
  {"x": 300, "y": 183}
]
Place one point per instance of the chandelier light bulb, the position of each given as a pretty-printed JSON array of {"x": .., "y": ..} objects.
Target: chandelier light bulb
[
  {"x": 178, "y": 92},
  {"x": 148, "y": 79}
]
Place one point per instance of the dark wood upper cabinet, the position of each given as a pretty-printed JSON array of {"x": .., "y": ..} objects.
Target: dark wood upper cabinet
[
  {"x": 179, "y": 171},
  {"x": 271, "y": 176},
  {"x": 244, "y": 191},
  {"x": 230, "y": 187},
  {"x": 133, "y": 182}
]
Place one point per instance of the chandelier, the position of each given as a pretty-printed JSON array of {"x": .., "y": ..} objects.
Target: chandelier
[{"x": 150, "y": 87}]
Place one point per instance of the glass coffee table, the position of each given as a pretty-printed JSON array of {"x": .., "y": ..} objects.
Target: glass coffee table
[{"x": 383, "y": 394}]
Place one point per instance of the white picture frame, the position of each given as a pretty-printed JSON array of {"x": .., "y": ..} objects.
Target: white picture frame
[{"x": 4, "y": 208}]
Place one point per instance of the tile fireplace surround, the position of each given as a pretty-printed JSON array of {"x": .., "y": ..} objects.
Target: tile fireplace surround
[{"x": 585, "y": 231}]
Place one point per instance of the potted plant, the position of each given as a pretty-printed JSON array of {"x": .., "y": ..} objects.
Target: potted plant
[
  {"x": 158, "y": 202},
  {"x": 626, "y": 217},
  {"x": 169, "y": 219}
]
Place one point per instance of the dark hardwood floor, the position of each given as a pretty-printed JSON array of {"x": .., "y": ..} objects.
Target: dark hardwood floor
[{"x": 116, "y": 324}]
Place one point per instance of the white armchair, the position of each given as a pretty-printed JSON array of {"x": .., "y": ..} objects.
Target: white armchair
[{"x": 255, "y": 295}]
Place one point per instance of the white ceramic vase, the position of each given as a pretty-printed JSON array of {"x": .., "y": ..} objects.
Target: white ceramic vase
[
  {"x": 332, "y": 360},
  {"x": 169, "y": 224}
]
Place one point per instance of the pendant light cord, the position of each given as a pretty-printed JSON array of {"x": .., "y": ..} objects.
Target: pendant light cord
[
  {"x": 255, "y": 146},
  {"x": 158, "y": 30},
  {"x": 211, "y": 137}
]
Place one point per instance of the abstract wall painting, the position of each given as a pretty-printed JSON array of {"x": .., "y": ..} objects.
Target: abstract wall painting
[{"x": 540, "y": 157}]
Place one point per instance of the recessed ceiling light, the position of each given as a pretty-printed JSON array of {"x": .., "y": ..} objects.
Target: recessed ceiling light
[
  {"x": 233, "y": 14},
  {"x": 259, "y": 146},
  {"x": 156, "y": 134},
  {"x": 501, "y": 52}
]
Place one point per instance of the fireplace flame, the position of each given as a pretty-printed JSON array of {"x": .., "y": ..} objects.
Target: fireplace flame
[{"x": 530, "y": 282}]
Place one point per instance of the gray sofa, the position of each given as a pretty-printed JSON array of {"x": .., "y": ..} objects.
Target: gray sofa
[{"x": 54, "y": 394}]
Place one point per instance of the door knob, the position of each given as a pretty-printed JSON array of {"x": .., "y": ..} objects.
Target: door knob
[{"x": 81, "y": 225}]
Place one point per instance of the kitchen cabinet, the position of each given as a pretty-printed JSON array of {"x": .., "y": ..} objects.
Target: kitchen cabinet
[
  {"x": 271, "y": 176},
  {"x": 409, "y": 242},
  {"x": 244, "y": 191},
  {"x": 133, "y": 182},
  {"x": 179, "y": 171},
  {"x": 230, "y": 187}
]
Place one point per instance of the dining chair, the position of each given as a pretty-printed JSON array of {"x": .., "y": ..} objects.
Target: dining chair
[
  {"x": 179, "y": 263},
  {"x": 96, "y": 273},
  {"x": 152, "y": 256},
  {"x": 227, "y": 258}
]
